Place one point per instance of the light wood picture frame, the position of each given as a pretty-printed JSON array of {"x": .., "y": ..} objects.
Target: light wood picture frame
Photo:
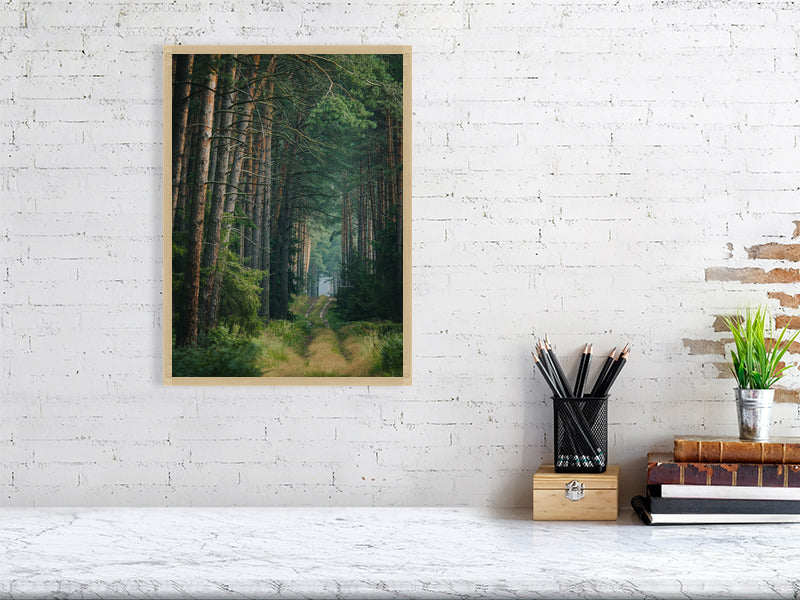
[{"x": 287, "y": 215}]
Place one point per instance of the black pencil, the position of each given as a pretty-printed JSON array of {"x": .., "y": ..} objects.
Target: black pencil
[
  {"x": 602, "y": 375},
  {"x": 604, "y": 386},
  {"x": 576, "y": 456},
  {"x": 545, "y": 374},
  {"x": 559, "y": 370},
  {"x": 583, "y": 370},
  {"x": 614, "y": 373},
  {"x": 547, "y": 360}
]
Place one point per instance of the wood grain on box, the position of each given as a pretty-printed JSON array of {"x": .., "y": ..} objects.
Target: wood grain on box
[{"x": 600, "y": 499}]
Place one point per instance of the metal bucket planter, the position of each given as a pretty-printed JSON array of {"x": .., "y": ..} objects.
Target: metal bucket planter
[{"x": 754, "y": 409}]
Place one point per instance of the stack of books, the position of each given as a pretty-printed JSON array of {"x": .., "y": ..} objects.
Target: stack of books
[{"x": 722, "y": 480}]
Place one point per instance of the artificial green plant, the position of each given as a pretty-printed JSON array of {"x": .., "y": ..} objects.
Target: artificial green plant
[{"x": 755, "y": 363}]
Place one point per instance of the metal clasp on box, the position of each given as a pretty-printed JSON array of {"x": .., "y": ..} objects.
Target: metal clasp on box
[{"x": 573, "y": 490}]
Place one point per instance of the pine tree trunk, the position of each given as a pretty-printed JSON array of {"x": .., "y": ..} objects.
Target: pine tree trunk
[
  {"x": 360, "y": 214},
  {"x": 258, "y": 208},
  {"x": 182, "y": 86},
  {"x": 251, "y": 199},
  {"x": 306, "y": 251},
  {"x": 398, "y": 166},
  {"x": 212, "y": 246},
  {"x": 187, "y": 333},
  {"x": 285, "y": 239},
  {"x": 212, "y": 163},
  {"x": 372, "y": 209},
  {"x": 283, "y": 223},
  {"x": 265, "y": 225},
  {"x": 232, "y": 194},
  {"x": 185, "y": 185},
  {"x": 247, "y": 175}
]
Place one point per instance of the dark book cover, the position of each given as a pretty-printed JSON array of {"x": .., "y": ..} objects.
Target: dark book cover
[
  {"x": 641, "y": 506},
  {"x": 710, "y": 449},
  {"x": 721, "y": 506},
  {"x": 741, "y": 492},
  {"x": 662, "y": 468}
]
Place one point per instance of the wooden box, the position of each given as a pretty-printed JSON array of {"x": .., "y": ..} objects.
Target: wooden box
[{"x": 575, "y": 496}]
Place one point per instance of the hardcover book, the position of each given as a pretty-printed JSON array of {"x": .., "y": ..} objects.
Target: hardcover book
[
  {"x": 740, "y": 492},
  {"x": 640, "y": 505},
  {"x": 721, "y": 506},
  {"x": 662, "y": 468},
  {"x": 733, "y": 450}
]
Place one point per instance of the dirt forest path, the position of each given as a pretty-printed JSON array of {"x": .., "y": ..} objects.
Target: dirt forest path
[
  {"x": 325, "y": 352},
  {"x": 322, "y": 313}
]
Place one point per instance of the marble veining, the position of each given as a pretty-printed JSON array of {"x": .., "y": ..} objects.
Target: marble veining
[{"x": 383, "y": 553}]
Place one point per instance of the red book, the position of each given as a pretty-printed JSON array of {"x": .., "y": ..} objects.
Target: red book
[{"x": 663, "y": 469}]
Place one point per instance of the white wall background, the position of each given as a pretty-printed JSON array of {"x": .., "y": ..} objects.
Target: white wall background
[{"x": 577, "y": 166}]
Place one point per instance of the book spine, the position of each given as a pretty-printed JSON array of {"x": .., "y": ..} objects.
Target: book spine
[
  {"x": 730, "y": 474},
  {"x": 718, "y": 451},
  {"x": 639, "y": 505}
]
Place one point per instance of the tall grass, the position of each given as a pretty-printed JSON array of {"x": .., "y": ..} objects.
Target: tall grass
[
  {"x": 378, "y": 347},
  {"x": 284, "y": 340}
]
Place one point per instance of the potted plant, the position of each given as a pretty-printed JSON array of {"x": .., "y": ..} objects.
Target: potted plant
[{"x": 755, "y": 366}]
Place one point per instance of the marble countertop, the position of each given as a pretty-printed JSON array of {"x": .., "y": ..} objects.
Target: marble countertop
[{"x": 383, "y": 553}]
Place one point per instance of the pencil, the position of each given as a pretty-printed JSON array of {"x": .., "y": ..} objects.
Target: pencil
[
  {"x": 583, "y": 370},
  {"x": 614, "y": 373},
  {"x": 559, "y": 370},
  {"x": 569, "y": 444},
  {"x": 601, "y": 376},
  {"x": 604, "y": 387},
  {"x": 545, "y": 374},
  {"x": 547, "y": 360}
]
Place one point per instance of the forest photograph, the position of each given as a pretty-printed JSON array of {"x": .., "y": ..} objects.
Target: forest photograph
[{"x": 285, "y": 227}]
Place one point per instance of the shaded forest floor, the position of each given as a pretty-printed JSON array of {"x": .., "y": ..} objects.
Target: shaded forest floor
[
  {"x": 315, "y": 343},
  {"x": 312, "y": 346}
]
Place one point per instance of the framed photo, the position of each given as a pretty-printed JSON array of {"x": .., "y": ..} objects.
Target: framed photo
[{"x": 287, "y": 215}]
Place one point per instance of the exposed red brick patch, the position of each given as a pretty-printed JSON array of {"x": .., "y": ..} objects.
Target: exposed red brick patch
[
  {"x": 752, "y": 275},
  {"x": 786, "y": 300},
  {"x": 705, "y": 346},
  {"x": 775, "y": 252},
  {"x": 719, "y": 322},
  {"x": 783, "y": 395},
  {"x": 723, "y": 370},
  {"x": 796, "y": 233},
  {"x": 794, "y": 347},
  {"x": 787, "y": 321}
]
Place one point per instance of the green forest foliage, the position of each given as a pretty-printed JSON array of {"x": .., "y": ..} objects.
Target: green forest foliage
[
  {"x": 223, "y": 353},
  {"x": 316, "y": 143}
]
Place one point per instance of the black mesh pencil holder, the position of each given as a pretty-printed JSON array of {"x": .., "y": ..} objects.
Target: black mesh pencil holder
[{"x": 581, "y": 435}]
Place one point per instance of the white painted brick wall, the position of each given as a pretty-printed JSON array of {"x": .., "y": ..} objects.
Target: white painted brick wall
[{"x": 577, "y": 167}]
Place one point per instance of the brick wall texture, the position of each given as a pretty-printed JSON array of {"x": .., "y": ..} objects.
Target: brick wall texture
[{"x": 604, "y": 172}]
